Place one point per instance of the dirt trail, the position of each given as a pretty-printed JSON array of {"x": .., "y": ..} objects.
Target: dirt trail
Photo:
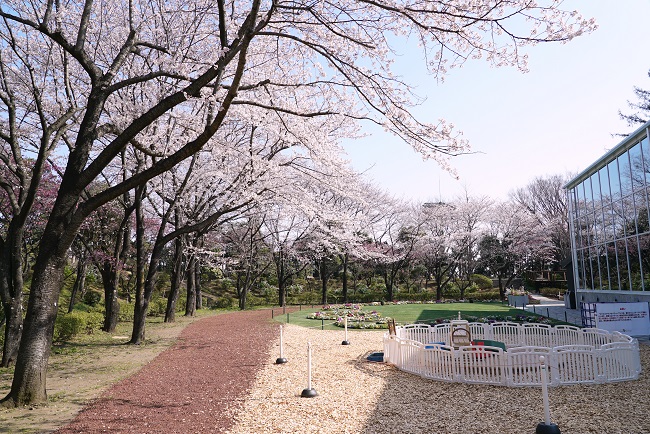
[{"x": 192, "y": 387}]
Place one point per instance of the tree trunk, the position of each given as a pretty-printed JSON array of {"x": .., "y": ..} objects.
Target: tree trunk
[
  {"x": 141, "y": 305},
  {"x": 13, "y": 330},
  {"x": 197, "y": 285},
  {"x": 79, "y": 283},
  {"x": 190, "y": 306},
  {"x": 280, "y": 271},
  {"x": 344, "y": 259},
  {"x": 389, "y": 286},
  {"x": 502, "y": 291},
  {"x": 323, "y": 278},
  {"x": 11, "y": 291},
  {"x": 176, "y": 278},
  {"x": 139, "y": 318},
  {"x": 242, "y": 292},
  {"x": 30, "y": 374},
  {"x": 111, "y": 305}
]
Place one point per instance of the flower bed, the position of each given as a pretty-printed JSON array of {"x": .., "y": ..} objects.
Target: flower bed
[{"x": 356, "y": 316}]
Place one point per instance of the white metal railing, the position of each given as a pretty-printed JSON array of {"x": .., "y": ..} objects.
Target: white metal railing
[{"x": 573, "y": 355}]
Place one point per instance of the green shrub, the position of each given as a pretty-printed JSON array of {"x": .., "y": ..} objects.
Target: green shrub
[
  {"x": 182, "y": 302},
  {"x": 451, "y": 292},
  {"x": 551, "y": 292},
  {"x": 126, "y": 311},
  {"x": 226, "y": 302},
  {"x": 483, "y": 282},
  {"x": 91, "y": 298},
  {"x": 157, "y": 306},
  {"x": 484, "y": 296},
  {"x": 71, "y": 324},
  {"x": 163, "y": 281}
]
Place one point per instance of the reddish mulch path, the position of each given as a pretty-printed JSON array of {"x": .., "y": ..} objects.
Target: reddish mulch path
[{"x": 189, "y": 386}]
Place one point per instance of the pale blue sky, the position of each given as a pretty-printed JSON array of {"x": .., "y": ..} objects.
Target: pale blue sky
[{"x": 557, "y": 118}]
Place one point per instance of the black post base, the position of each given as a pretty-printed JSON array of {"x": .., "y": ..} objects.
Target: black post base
[
  {"x": 345, "y": 343},
  {"x": 308, "y": 393},
  {"x": 542, "y": 428},
  {"x": 280, "y": 360}
]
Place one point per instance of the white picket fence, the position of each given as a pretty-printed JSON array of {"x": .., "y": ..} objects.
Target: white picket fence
[{"x": 574, "y": 355}]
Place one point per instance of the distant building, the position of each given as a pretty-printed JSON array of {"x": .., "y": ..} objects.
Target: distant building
[{"x": 608, "y": 222}]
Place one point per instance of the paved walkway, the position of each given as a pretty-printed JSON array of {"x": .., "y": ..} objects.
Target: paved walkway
[{"x": 555, "y": 309}]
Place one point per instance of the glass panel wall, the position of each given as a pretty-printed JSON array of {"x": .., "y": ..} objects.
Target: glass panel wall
[{"x": 610, "y": 221}]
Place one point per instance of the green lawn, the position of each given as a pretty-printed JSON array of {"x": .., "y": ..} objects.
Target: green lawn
[{"x": 410, "y": 313}]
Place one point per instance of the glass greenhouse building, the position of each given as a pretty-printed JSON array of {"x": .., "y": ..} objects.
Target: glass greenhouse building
[{"x": 608, "y": 222}]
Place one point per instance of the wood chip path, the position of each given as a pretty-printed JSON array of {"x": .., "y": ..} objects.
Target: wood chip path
[{"x": 192, "y": 387}]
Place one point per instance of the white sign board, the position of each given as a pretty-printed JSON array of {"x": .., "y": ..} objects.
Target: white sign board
[{"x": 632, "y": 319}]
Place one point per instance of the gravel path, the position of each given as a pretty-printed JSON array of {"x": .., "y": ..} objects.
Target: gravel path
[
  {"x": 193, "y": 387},
  {"x": 220, "y": 377}
]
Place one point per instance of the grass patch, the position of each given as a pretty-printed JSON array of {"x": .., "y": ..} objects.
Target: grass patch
[{"x": 411, "y": 313}]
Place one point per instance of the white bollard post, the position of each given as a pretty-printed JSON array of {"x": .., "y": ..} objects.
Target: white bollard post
[
  {"x": 546, "y": 427},
  {"x": 309, "y": 392},
  {"x": 280, "y": 360},
  {"x": 547, "y": 411},
  {"x": 345, "y": 322}
]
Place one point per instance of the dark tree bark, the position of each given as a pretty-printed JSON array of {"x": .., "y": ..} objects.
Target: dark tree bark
[
  {"x": 344, "y": 278},
  {"x": 280, "y": 270},
  {"x": 327, "y": 267},
  {"x": 79, "y": 283},
  {"x": 29, "y": 383},
  {"x": 141, "y": 303},
  {"x": 11, "y": 289},
  {"x": 111, "y": 305},
  {"x": 13, "y": 318},
  {"x": 190, "y": 306},
  {"x": 197, "y": 285},
  {"x": 176, "y": 278},
  {"x": 323, "y": 279},
  {"x": 241, "y": 286}
]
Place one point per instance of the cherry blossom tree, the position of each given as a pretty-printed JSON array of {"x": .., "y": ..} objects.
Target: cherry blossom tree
[
  {"x": 288, "y": 59},
  {"x": 512, "y": 242},
  {"x": 436, "y": 241},
  {"x": 106, "y": 237},
  {"x": 545, "y": 199},
  {"x": 249, "y": 259},
  {"x": 287, "y": 230},
  {"x": 471, "y": 213},
  {"x": 395, "y": 230},
  {"x": 24, "y": 208}
]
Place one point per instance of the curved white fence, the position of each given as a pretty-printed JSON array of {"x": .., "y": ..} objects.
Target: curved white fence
[{"x": 574, "y": 355}]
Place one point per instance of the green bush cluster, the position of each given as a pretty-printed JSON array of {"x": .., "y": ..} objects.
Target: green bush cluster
[
  {"x": 126, "y": 311},
  {"x": 91, "y": 298},
  {"x": 71, "y": 324},
  {"x": 483, "y": 282},
  {"x": 551, "y": 292},
  {"x": 228, "y": 302},
  {"x": 157, "y": 306}
]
